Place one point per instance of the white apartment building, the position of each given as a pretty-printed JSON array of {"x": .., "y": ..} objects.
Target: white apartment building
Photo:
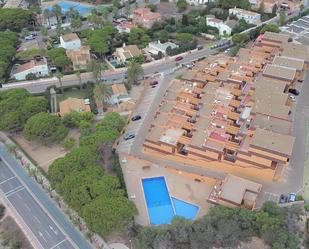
[
  {"x": 156, "y": 47},
  {"x": 197, "y": 2},
  {"x": 249, "y": 16},
  {"x": 70, "y": 41},
  {"x": 225, "y": 28}
]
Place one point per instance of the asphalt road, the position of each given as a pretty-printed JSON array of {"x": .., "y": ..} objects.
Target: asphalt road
[
  {"x": 46, "y": 222},
  {"x": 118, "y": 76}
]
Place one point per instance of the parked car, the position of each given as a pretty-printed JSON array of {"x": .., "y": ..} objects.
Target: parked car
[
  {"x": 0, "y": 85},
  {"x": 179, "y": 58},
  {"x": 294, "y": 91},
  {"x": 292, "y": 97},
  {"x": 128, "y": 136},
  {"x": 292, "y": 197},
  {"x": 200, "y": 47},
  {"x": 154, "y": 83},
  {"x": 29, "y": 37},
  {"x": 283, "y": 199},
  {"x": 136, "y": 117}
]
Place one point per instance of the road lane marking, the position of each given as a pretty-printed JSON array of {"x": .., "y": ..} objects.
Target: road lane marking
[
  {"x": 37, "y": 219},
  {"x": 58, "y": 244},
  {"x": 42, "y": 237},
  {"x": 14, "y": 191},
  {"x": 48, "y": 234},
  {"x": 27, "y": 206},
  {"x": 7, "y": 179}
]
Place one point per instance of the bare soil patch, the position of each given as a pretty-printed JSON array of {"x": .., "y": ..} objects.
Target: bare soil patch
[{"x": 44, "y": 156}]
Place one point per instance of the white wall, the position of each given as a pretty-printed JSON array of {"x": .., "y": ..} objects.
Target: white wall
[
  {"x": 40, "y": 70},
  {"x": 76, "y": 44}
]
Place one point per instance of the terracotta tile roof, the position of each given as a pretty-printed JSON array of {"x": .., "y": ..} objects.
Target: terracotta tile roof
[{"x": 70, "y": 37}]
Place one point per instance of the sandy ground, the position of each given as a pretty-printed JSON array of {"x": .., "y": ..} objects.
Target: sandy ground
[{"x": 45, "y": 155}]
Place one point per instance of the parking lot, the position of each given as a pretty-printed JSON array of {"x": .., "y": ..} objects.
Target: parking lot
[{"x": 142, "y": 110}]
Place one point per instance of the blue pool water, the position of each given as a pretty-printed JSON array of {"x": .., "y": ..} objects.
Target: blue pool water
[
  {"x": 82, "y": 9},
  {"x": 185, "y": 209},
  {"x": 161, "y": 207}
]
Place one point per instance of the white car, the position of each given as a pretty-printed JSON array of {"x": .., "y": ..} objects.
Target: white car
[{"x": 292, "y": 97}]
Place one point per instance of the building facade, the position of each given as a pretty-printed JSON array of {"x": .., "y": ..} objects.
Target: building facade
[
  {"x": 70, "y": 41},
  {"x": 248, "y": 16}
]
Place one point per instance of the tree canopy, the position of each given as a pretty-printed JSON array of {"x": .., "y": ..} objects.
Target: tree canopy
[
  {"x": 182, "y": 5},
  {"x": 45, "y": 128},
  {"x": 270, "y": 27},
  {"x": 8, "y": 44},
  {"x": 99, "y": 198},
  {"x": 16, "y": 107},
  {"x": 226, "y": 227},
  {"x": 14, "y": 19},
  {"x": 139, "y": 37},
  {"x": 58, "y": 57}
]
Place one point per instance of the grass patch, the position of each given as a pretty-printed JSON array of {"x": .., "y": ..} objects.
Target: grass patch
[{"x": 72, "y": 93}]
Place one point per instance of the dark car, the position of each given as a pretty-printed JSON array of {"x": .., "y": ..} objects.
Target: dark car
[
  {"x": 128, "y": 136},
  {"x": 179, "y": 58},
  {"x": 136, "y": 117},
  {"x": 283, "y": 199},
  {"x": 294, "y": 91},
  {"x": 200, "y": 47},
  {"x": 154, "y": 83},
  {"x": 0, "y": 85}
]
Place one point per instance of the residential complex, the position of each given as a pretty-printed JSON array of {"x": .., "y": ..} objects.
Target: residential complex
[
  {"x": 232, "y": 115},
  {"x": 248, "y": 16}
]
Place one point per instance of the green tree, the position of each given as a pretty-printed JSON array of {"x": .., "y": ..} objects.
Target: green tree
[
  {"x": 16, "y": 107},
  {"x": 282, "y": 18},
  {"x": 102, "y": 93},
  {"x": 78, "y": 75},
  {"x": 270, "y": 27},
  {"x": 76, "y": 23},
  {"x": 261, "y": 8},
  {"x": 239, "y": 38},
  {"x": 59, "y": 76},
  {"x": 97, "y": 68},
  {"x": 152, "y": 7},
  {"x": 47, "y": 14},
  {"x": 181, "y": 5},
  {"x": 14, "y": 19},
  {"x": 98, "y": 44},
  {"x": 57, "y": 12},
  {"x": 44, "y": 31},
  {"x": 95, "y": 19},
  {"x": 134, "y": 71},
  {"x": 112, "y": 121},
  {"x": 127, "y": 9},
  {"x": 139, "y": 37},
  {"x": 45, "y": 128},
  {"x": 58, "y": 57},
  {"x": 163, "y": 35}
]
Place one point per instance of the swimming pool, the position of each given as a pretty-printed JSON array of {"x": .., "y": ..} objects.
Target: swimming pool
[
  {"x": 161, "y": 207},
  {"x": 81, "y": 8}
]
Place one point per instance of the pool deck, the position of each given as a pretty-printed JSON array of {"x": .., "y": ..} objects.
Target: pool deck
[
  {"x": 179, "y": 186},
  {"x": 54, "y": 2}
]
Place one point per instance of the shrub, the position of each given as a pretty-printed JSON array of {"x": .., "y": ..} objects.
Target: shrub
[{"x": 68, "y": 143}]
